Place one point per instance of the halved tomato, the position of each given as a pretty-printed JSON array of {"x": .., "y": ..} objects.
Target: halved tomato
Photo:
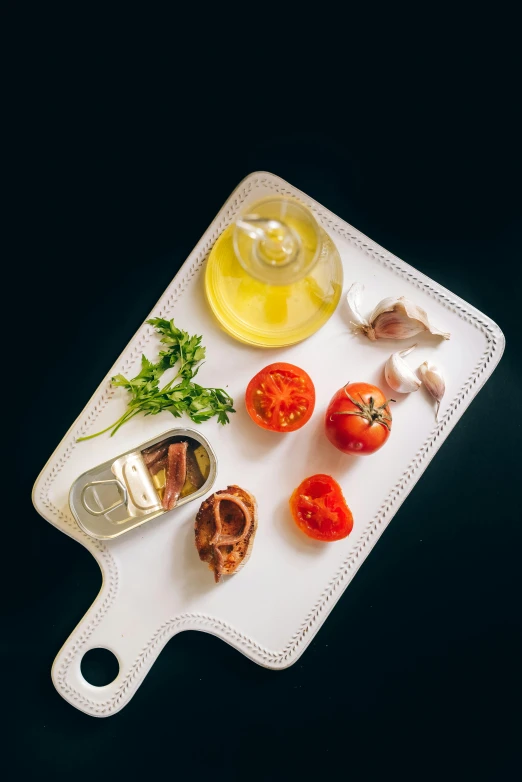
[
  {"x": 281, "y": 398},
  {"x": 320, "y": 510}
]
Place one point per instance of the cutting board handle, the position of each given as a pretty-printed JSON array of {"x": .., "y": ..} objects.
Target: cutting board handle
[{"x": 108, "y": 625}]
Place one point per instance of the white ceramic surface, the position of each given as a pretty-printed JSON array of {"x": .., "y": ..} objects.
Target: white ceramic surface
[{"x": 154, "y": 585}]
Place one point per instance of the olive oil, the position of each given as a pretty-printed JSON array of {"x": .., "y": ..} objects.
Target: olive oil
[{"x": 267, "y": 314}]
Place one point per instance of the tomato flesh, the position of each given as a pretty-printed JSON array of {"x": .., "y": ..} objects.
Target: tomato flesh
[
  {"x": 281, "y": 398},
  {"x": 320, "y": 510},
  {"x": 353, "y": 432}
]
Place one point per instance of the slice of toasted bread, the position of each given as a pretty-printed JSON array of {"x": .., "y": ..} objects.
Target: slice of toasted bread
[{"x": 225, "y": 528}]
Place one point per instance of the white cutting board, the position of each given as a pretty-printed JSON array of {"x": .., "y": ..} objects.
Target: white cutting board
[{"x": 154, "y": 584}]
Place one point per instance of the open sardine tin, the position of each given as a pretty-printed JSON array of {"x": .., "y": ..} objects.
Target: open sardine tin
[{"x": 122, "y": 493}]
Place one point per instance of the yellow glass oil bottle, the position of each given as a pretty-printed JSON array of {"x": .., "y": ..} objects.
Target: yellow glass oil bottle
[{"x": 274, "y": 277}]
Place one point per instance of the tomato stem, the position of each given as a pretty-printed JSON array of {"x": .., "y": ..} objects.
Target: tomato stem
[{"x": 367, "y": 410}]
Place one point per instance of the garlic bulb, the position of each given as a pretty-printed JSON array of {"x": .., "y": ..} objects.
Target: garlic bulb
[
  {"x": 392, "y": 318},
  {"x": 398, "y": 374},
  {"x": 434, "y": 381}
]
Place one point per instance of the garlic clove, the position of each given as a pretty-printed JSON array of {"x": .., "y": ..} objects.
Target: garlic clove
[
  {"x": 392, "y": 318},
  {"x": 386, "y": 305},
  {"x": 398, "y": 374},
  {"x": 399, "y": 318},
  {"x": 354, "y": 299},
  {"x": 394, "y": 325},
  {"x": 433, "y": 379}
]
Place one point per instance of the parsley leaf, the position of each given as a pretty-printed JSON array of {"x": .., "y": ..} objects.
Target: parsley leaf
[{"x": 180, "y": 395}]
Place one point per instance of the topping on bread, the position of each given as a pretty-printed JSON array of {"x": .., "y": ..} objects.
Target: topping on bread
[{"x": 225, "y": 528}]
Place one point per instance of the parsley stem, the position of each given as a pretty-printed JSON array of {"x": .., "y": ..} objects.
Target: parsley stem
[
  {"x": 116, "y": 424},
  {"x": 91, "y": 436},
  {"x": 124, "y": 420},
  {"x": 168, "y": 386}
]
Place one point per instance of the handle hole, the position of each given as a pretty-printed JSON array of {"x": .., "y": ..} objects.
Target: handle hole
[{"x": 99, "y": 667}]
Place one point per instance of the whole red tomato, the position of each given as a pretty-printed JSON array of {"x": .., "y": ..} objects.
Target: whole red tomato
[{"x": 358, "y": 419}]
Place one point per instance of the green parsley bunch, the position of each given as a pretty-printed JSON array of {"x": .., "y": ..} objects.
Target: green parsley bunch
[{"x": 181, "y": 394}]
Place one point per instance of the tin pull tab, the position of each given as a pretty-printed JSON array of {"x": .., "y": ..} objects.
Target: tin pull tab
[{"x": 102, "y": 511}]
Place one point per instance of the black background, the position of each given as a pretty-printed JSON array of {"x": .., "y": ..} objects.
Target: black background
[{"x": 417, "y": 669}]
